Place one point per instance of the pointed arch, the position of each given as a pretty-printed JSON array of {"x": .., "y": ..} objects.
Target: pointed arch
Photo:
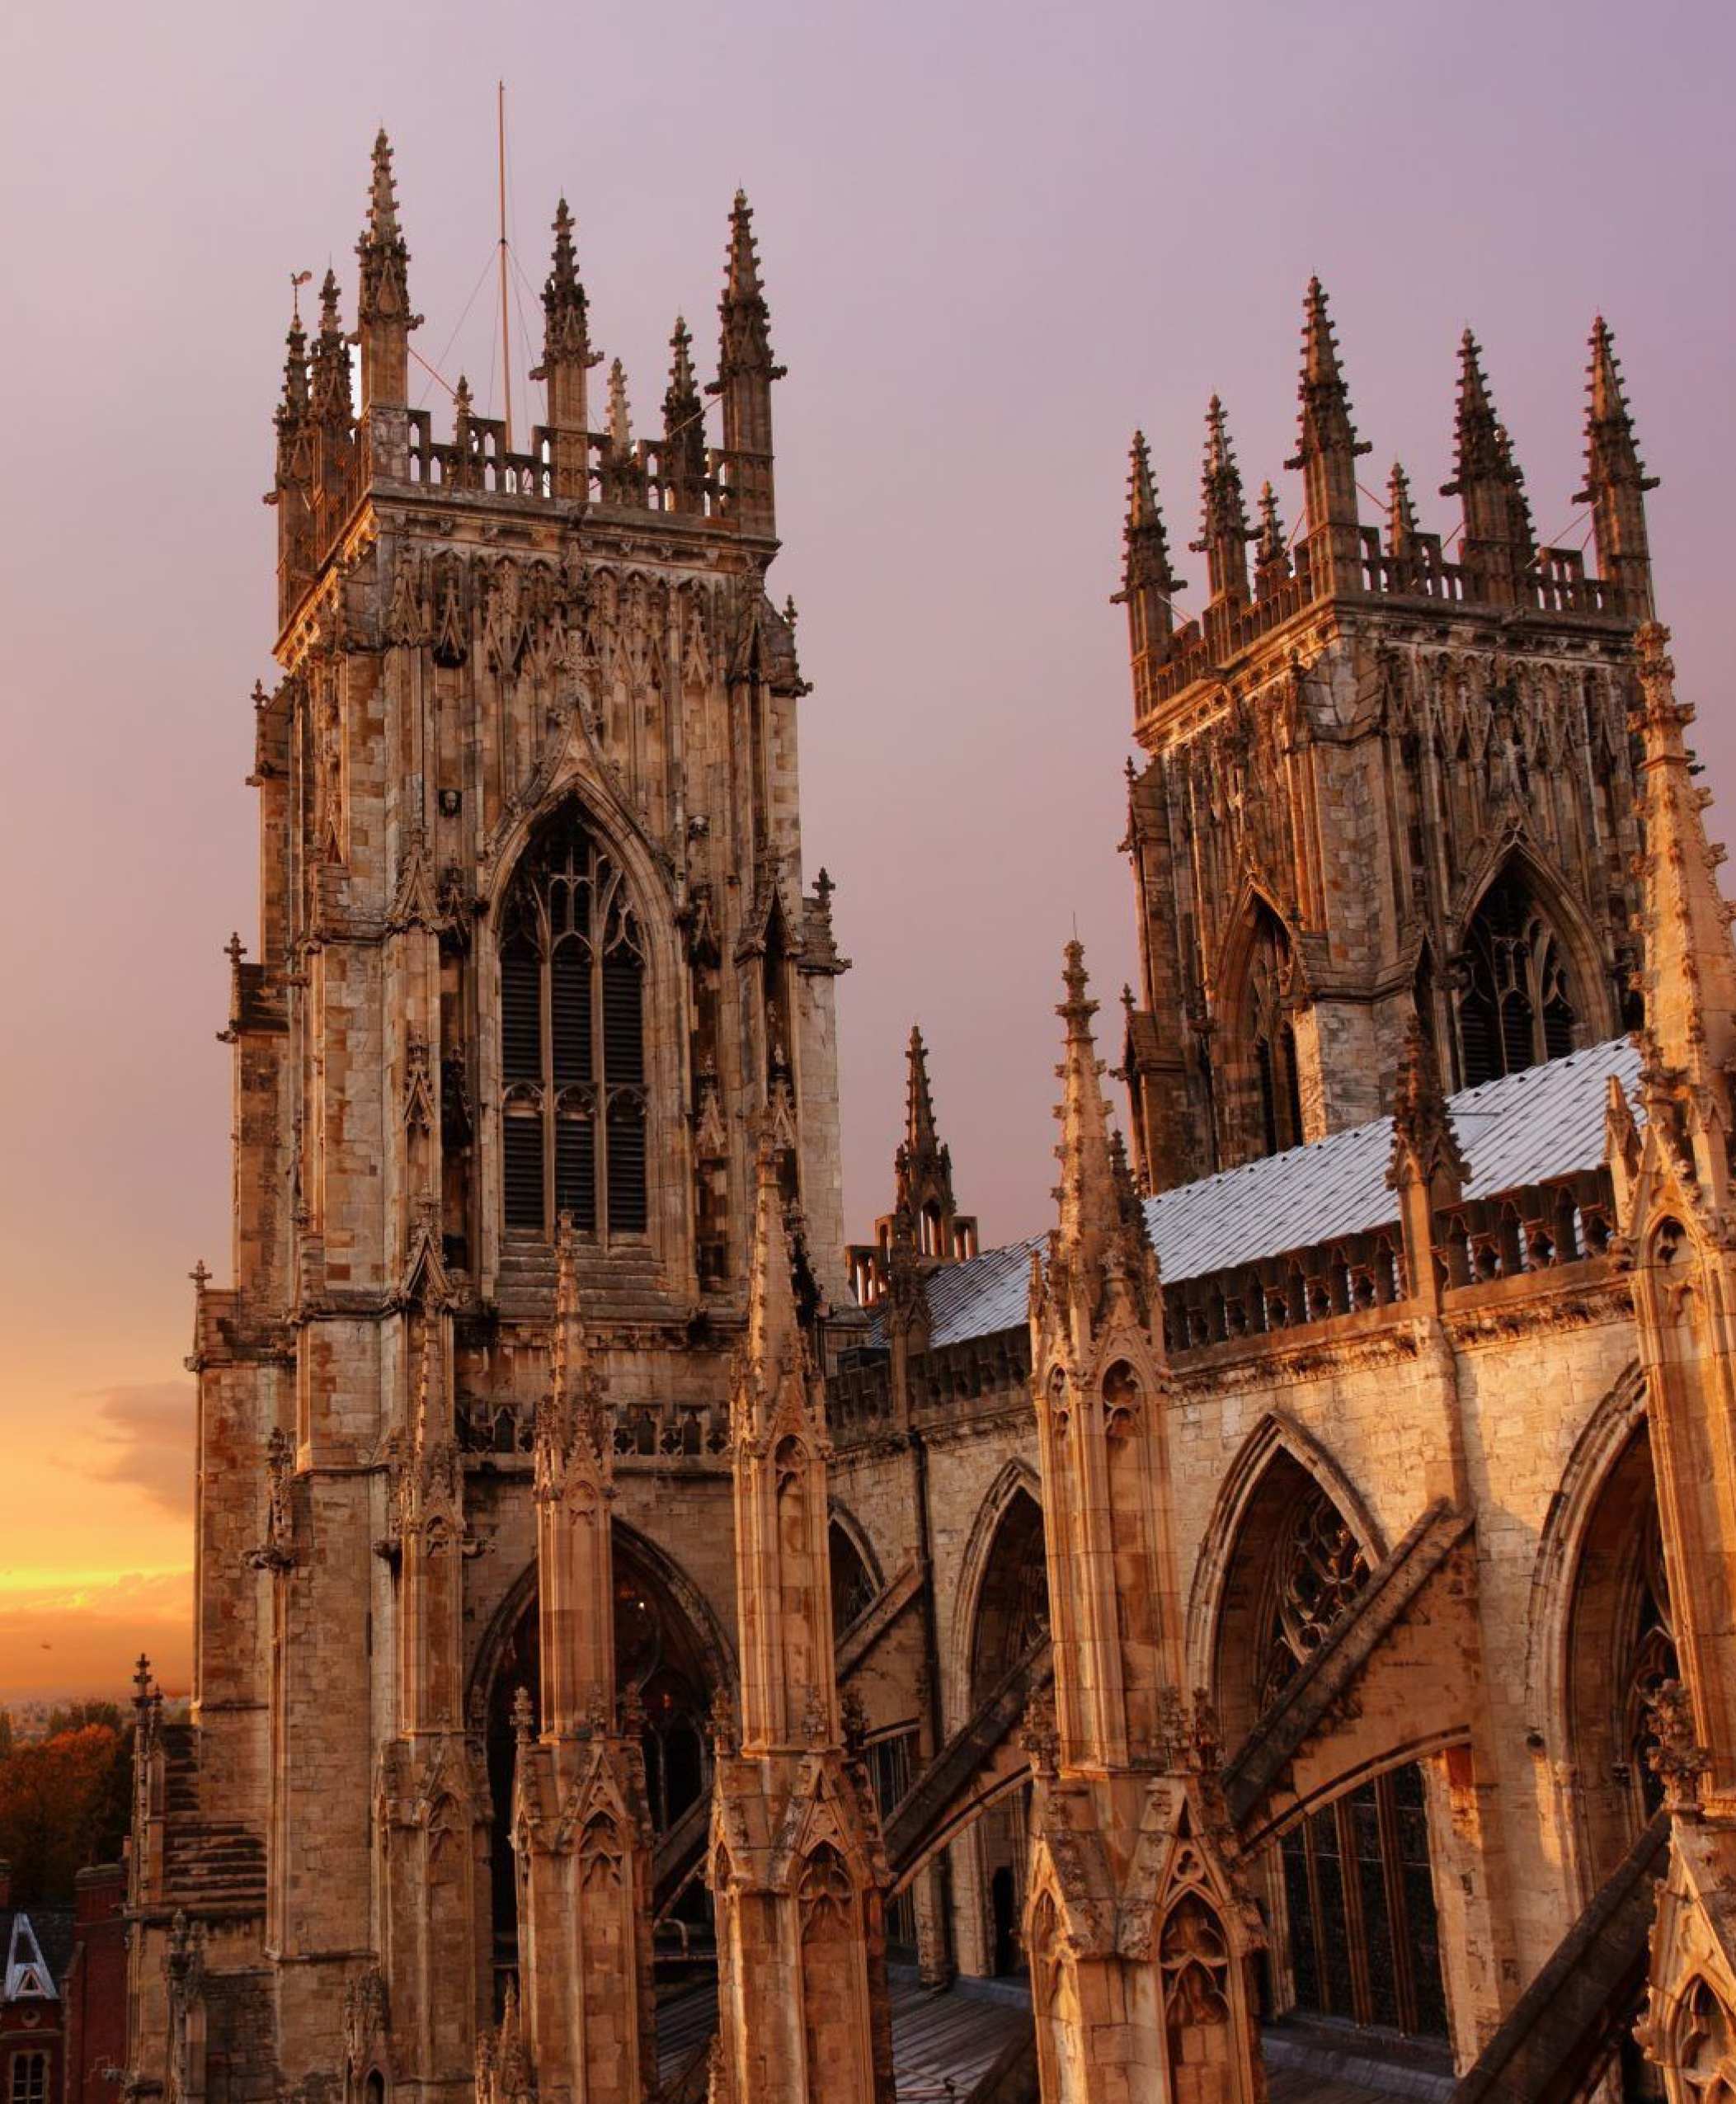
[
  {"x": 856, "y": 1579},
  {"x": 1259, "y": 1092},
  {"x": 1278, "y": 1439},
  {"x": 571, "y": 1078},
  {"x": 1602, "y": 1633},
  {"x": 1017, "y": 1479},
  {"x": 1533, "y": 981}
]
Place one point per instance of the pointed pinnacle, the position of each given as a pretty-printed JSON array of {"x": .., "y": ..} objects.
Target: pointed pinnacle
[
  {"x": 772, "y": 1327},
  {"x": 1612, "y": 453},
  {"x": 620, "y": 422},
  {"x": 918, "y": 1117},
  {"x": 1086, "y": 1180},
  {"x": 1224, "y": 509},
  {"x": 1271, "y": 529},
  {"x": 743, "y": 261},
  {"x": 1141, "y": 490},
  {"x": 1401, "y": 517},
  {"x": 1325, "y": 400},
  {"x": 329, "y": 323},
  {"x": 564, "y": 273},
  {"x": 382, "y": 201}
]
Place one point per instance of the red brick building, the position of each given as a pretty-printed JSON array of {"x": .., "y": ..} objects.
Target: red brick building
[{"x": 63, "y": 1993}]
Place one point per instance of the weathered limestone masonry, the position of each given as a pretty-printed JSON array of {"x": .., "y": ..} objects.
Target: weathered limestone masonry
[
  {"x": 798, "y": 1873},
  {"x": 1307, "y": 1596},
  {"x": 1375, "y": 775},
  {"x": 533, "y": 941},
  {"x": 1139, "y": 1934}
]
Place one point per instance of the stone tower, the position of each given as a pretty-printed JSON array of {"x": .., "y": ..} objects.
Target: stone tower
[
  {"x": 1384, "y": 772},
  {"x": 534, "y": 945}
]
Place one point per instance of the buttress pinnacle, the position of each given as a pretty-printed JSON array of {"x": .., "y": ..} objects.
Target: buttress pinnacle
[
  {"x": 1225, "y": 531},
  {"x": 774, "y": 1328},
  {"x": 1087, "y": 1193},
  {"x": 1326, "y": 425},
  {"x": 745, "y": 317},
  {"x": 918, "y": 1102}
]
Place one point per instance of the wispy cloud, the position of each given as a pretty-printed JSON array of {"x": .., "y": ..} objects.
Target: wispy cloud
[
  {"x": 144, "y": 1437},
  {"x": 77, "y": 1632}
]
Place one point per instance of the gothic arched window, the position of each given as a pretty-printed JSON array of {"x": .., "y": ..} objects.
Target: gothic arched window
[
  {"x": 572, "y": 1040},
  {"x": 1515, "y": 1006},
  {"x": 1277, "y": 1097}
]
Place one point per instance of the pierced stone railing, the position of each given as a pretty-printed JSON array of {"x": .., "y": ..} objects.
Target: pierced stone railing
[
  {"x": 1536, "y": 1227},
  {"x": 1346, "y": 1276}
]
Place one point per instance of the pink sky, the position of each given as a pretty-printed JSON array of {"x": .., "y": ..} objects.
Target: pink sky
[{"x": 996, "y": 237}]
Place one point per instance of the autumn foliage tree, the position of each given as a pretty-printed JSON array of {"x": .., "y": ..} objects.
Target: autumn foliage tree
[{"x": 64, "y": 1804}]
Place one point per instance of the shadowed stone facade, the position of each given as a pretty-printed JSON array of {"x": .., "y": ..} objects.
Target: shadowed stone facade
[{"x": 1267, "y": 1612}]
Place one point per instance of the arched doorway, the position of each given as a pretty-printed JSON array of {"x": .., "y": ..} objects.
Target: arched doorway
[
  {"x": 673, "y": 1667},
  {"x": 1012, "y": 1615}
]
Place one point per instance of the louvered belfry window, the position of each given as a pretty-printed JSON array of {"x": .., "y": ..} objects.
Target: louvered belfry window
[{"x": 572, "y": 1040}]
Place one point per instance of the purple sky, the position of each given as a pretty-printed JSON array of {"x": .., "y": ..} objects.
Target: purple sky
[{"x": 995, "y": 238}]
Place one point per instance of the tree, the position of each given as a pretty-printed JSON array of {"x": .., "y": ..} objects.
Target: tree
[{"x": 64, "y": 1804}]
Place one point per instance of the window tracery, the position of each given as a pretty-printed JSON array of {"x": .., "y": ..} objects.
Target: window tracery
[
  {"x": 1706, "y": 2046},
  {"x": 1516, "y": 1004},
  {"x": 1317, "y": 1569},
  {"x": 572, "y": 1042}
]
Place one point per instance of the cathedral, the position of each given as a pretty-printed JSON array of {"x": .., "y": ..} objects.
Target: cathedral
[{"x": 1267, "y": 1631}]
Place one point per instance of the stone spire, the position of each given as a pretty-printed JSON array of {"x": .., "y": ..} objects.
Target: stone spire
[
  {"x": 1425, "y": 1149},
  {"x": 1401, "y": 515},
  {"x": 746, "y": 371},
  {"x": 1272, "y": 556},
  {"x": 1149, "y": 581},
  {"x": 1125, "y": 1789},
  {"x": 774, "y": 1346},
  {"x": 1615, "y": 480},
  {"x": 568, "y": 358},
  {"x": 292, "y": 485},
  {"x": 1689, "y": 970},
  {"x": 1326, "y": 453},
  {"x": 1499, "y": 538},
  {"x": 920, "y": 1134},
  {"x": 328, "y": 372},
  {"x": 620, "y": 419},
  {"x": 683, "y": 429},
  {"x": 1100, "y": 1255},
  {"x": 383, "y": 306},
  {"x": 1224, "y": 532}
]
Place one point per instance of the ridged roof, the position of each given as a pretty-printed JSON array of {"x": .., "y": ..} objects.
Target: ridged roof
[{"x": 1547, "y": 1121}]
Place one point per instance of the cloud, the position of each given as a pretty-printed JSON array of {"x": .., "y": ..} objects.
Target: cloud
[
  {"x": 143, "y": 1436},
  {"x": 78, "y": 1632}
]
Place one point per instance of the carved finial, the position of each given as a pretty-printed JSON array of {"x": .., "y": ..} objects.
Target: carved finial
[
  {"x": 1272, "y": 556},
  {"x": 330, "y": 400},
  {"x": 1675, "y": 1757},
  {"x": 620, "y": 422},
  {"x": 1689, "y": 970},
  {"x": 142, "y": 1681},
  {"x": 524, "y": 1715},
  {"x": 1615, "y": 480},
  {"x": 1149, "y": 581},
  {"x": 1499, "y": 534},
  {"x": 745, "y": 318},
  {"x": 1401, "y": 517},
  {"x": 1225, "y": 531},
  {"x": 773, "y": 1330},
  {"x": 1326, "y": 426},
  {"x": 384, "y": 298},
  {"x": 200, "y": 1275},
  {"x": 919, "y": 1101},
  {"x": 1424, "y": 1146},
  {"x": 1100, "y": 1249}
]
